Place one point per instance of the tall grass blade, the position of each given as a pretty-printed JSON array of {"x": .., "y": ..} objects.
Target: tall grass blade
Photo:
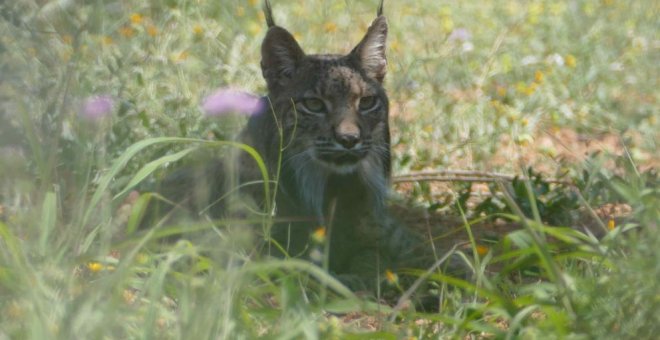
[
  {"x": 119, "y": 164},
  {"x": 48, "y": 221},
  {"x": 152, "y": 166}
]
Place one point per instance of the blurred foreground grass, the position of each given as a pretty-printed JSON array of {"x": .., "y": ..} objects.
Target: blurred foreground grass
[{"x": 499, "y": 85}]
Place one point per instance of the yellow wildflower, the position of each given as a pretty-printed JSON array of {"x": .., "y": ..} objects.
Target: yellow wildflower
[
  {"x": 254, "y": 28},
  {"x": 482, "y": 250},
  {"x": 525, "y": 89},
  {"x": 498, "y": 106},
  {"x": 152, "y": 30},
  {"x": 501, "y": 90},
  {"x": 524, "y": 122},
  {"x": 538, "y": 77},
  {"x": 94, "y": 267},
  {"x": 447, "y": 24},
  {"x": 319, "y": 235},
  {"x": 524, "y": 140},
  {"x": 126, "y": 31},
  {"x": 198, "y": 30},
  {"x": 240, "y": 11},
  {"x": 611, "y": 224},
  {"x": 395, "y": 46},
  {"x": 570, "y": 61},
  {"x": 107, "y": 40},
  {"x": 253, "y": 2},
  {"x": 136, "y": 18},
  {"x": 182, "y": 56},
  {"x": 330, "y": 27},
  {"x": 535, "y": 11},
  {"x": 531, "y": 88},
  {"x": 391, "y": 277}
]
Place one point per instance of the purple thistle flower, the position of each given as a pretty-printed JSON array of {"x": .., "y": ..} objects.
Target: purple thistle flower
[
  {"x": 228, "y": 100},
  {"x": 460, "y": 34},
  {"x": 97, "y": 107}
]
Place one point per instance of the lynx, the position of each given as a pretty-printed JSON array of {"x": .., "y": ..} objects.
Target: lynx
[{"x": 325, "y": 130}]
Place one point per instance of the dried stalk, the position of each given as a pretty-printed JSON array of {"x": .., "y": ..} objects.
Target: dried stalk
[{"x": 463, "y": 176}]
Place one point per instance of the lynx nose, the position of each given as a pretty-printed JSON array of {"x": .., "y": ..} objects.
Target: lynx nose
[
  {"x": 347, "y": 133},
  {"x": 348, "y": 140}
]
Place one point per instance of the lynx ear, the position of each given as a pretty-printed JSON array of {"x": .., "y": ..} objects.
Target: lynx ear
[
  {"x": 280, "y": 55},
  {"x": 371, "y": 50}
]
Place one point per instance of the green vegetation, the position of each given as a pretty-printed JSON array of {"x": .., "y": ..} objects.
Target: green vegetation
[{"x": 99, "y": 96}]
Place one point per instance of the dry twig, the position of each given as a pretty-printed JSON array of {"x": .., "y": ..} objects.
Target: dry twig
[{"x": 463, "y": 176}]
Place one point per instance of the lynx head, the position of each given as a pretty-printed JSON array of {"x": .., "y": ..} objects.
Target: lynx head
[{"x": 333, "y": 108}]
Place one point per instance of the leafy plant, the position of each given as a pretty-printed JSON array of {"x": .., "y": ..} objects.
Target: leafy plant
[{"x": 554, "y": 203}]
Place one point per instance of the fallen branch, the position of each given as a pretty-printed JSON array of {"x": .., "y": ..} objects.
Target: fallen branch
[{"x": 463, "y": 176}]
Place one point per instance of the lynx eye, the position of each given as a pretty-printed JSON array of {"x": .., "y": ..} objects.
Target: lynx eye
[
  {"x": 313, "y": 105},
  {"x": 368, "y": 103}
]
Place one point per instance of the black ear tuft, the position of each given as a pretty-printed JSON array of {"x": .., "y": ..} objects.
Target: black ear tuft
[
  {"x": 280, "y": 55},
  {"x": 268, "y": 13},
  {"x": 370, "y": 52}
]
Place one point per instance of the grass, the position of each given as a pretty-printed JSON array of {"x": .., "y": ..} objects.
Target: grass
[{"x": 503, "y": 86}]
